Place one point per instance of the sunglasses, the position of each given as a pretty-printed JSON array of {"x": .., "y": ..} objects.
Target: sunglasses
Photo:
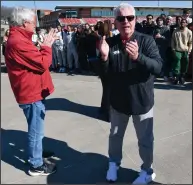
[{"x": 122, "y": 18}]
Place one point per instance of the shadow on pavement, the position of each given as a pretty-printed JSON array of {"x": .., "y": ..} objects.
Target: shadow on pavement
[
  {"x": 74, "y": 167},
  {"x": 63, "y": 104},
  {"x": 3, "y": 69},
  {"x": 187, "y": 86}
]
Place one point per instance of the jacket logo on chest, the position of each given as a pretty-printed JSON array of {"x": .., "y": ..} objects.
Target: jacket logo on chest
[{"x": 116, "y": 52}]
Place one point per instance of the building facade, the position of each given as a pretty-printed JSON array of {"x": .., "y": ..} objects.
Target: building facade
[{"x": 80, "y": 14}]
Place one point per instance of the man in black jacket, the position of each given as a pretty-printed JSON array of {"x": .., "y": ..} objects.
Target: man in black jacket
[
  {"x": 162, "y": 39},
  {"x": 131, "y": 59},
  {"x": 149, "y": 27},
  {"x": 80, "y": 42}
]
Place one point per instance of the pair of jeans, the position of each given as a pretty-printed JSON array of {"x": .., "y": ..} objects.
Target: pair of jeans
[{"x": 35, "y": 114}]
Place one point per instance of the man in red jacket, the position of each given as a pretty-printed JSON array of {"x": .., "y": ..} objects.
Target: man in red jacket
[{"x": 28, "y": 70}]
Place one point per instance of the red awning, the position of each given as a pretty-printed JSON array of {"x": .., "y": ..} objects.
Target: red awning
[{"x": 69, "y": 21}]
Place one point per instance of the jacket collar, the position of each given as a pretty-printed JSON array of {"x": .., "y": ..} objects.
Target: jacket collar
[
  {"x": 131, "y": 38},
  {"x": 26, "y": 34}
]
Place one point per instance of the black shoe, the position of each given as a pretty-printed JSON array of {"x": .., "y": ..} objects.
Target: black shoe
[
  {"x": 77, "y": 71},
  {"x": 182, "y": 81},
  {"x": 175, "y": 80},
  {"x": 47, "y": 154},
  {"x": 45, "y": 169}
]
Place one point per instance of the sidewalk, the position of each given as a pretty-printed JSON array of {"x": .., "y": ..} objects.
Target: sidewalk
[{"x": 80, "y": 140}]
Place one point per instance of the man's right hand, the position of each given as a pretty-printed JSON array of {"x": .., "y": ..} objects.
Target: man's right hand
[
  {"x": 49, "y": 38},
  {"x": 104, "y": 48}
]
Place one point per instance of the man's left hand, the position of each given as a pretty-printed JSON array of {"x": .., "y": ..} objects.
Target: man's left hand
[
  {"x": 158, "y": 36},
  {"x": 132, "y": 49}
]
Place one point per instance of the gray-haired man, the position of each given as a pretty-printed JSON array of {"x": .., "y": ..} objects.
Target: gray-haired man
[{"x": 130, "y": 59}]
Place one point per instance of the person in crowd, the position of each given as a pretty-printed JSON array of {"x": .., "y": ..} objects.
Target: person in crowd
[
  {"x": 80, "y": 42},
  {"x": 87, "y": 26},
  {"x": 5, "y": 38},
  {"x": 28, "y": 71},
  {"x": 37, "y": 37},
  {"x": 144, "y": 23},
  {"x": 190, "y": 26},
  {"x": 91, "y": 39},
  {"x": 186, "y": 15},
  {"x": 114, "y": 30},
  {"x": 83, "y": 27},
  {"x": 59, "y": 57},
  {"x": 176, "y": 25},
  {"x": 169, "y": 21},
  {"x": 69, "y": 40},
  {"x": 92, "y": 28},
  {"x": 169, "y": 53},
  {"x": 163, "y": 16},
  {"x": 162, "y": 39},
  {"x": 182, "y": 46},
  {"x": 75, "y": 29},
  {"x": 138, "y": 26},
  {"x": 98, "y": 24},
  {"x": 189, "y": 72},
  {"x": 149, "y": 27},
  {"x": 130, "y": 59},
  {"x": 43, "y": 32},
  {"x": 105, "y": 104}
]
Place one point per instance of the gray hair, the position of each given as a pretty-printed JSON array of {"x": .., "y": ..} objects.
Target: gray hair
[
  {"x": 20, "y": 15},
  {"x": 123, "y": 6}
]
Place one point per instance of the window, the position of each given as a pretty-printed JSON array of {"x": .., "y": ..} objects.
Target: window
[
  {"x": 96, "y": 13},
  {"x": 71, "y": 13},
  {"x": 100, "y": 13}
]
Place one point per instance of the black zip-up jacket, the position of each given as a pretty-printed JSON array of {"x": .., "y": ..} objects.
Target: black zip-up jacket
[
  {"x": 148, "y": 29},
  {"x": 131, "y": 83}
]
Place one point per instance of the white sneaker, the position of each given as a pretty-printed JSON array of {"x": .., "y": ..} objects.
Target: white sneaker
[
  {"x": 144, "y": 178},
  {"x": 112, "y": 172}
]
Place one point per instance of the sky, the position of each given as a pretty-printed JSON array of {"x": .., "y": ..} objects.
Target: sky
[{"x": 50, "y": 5}]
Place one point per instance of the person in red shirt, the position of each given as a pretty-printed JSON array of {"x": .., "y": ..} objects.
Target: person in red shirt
[{"x": 28, "y": 71}]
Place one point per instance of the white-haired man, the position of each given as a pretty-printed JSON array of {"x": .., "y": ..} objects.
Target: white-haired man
[
  {"x": 131, "y": 59},
  {"x": 28, "y": 70}
]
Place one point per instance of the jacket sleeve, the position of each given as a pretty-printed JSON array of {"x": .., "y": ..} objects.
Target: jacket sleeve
[
  {"x": 151, "y": 58},
  {"x": 34, "y": 59},
  {"x": 104, "y": 65}
]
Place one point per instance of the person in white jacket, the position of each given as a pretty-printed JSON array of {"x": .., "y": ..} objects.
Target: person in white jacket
[
  {"x": 59, "y": 58},
  {"x": 69, "y": 40},
  {"x": 37, "y": 37}
]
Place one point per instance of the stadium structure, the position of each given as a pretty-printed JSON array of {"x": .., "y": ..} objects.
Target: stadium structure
[{"x": 75, "y": 15}]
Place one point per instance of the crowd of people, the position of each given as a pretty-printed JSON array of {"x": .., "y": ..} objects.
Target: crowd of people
[
  {"x": 128, "y": 62},
  {"x": 76, "y": 47}
]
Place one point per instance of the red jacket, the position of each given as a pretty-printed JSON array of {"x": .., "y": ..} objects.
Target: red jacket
[{"x": 28, "y": 67}]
